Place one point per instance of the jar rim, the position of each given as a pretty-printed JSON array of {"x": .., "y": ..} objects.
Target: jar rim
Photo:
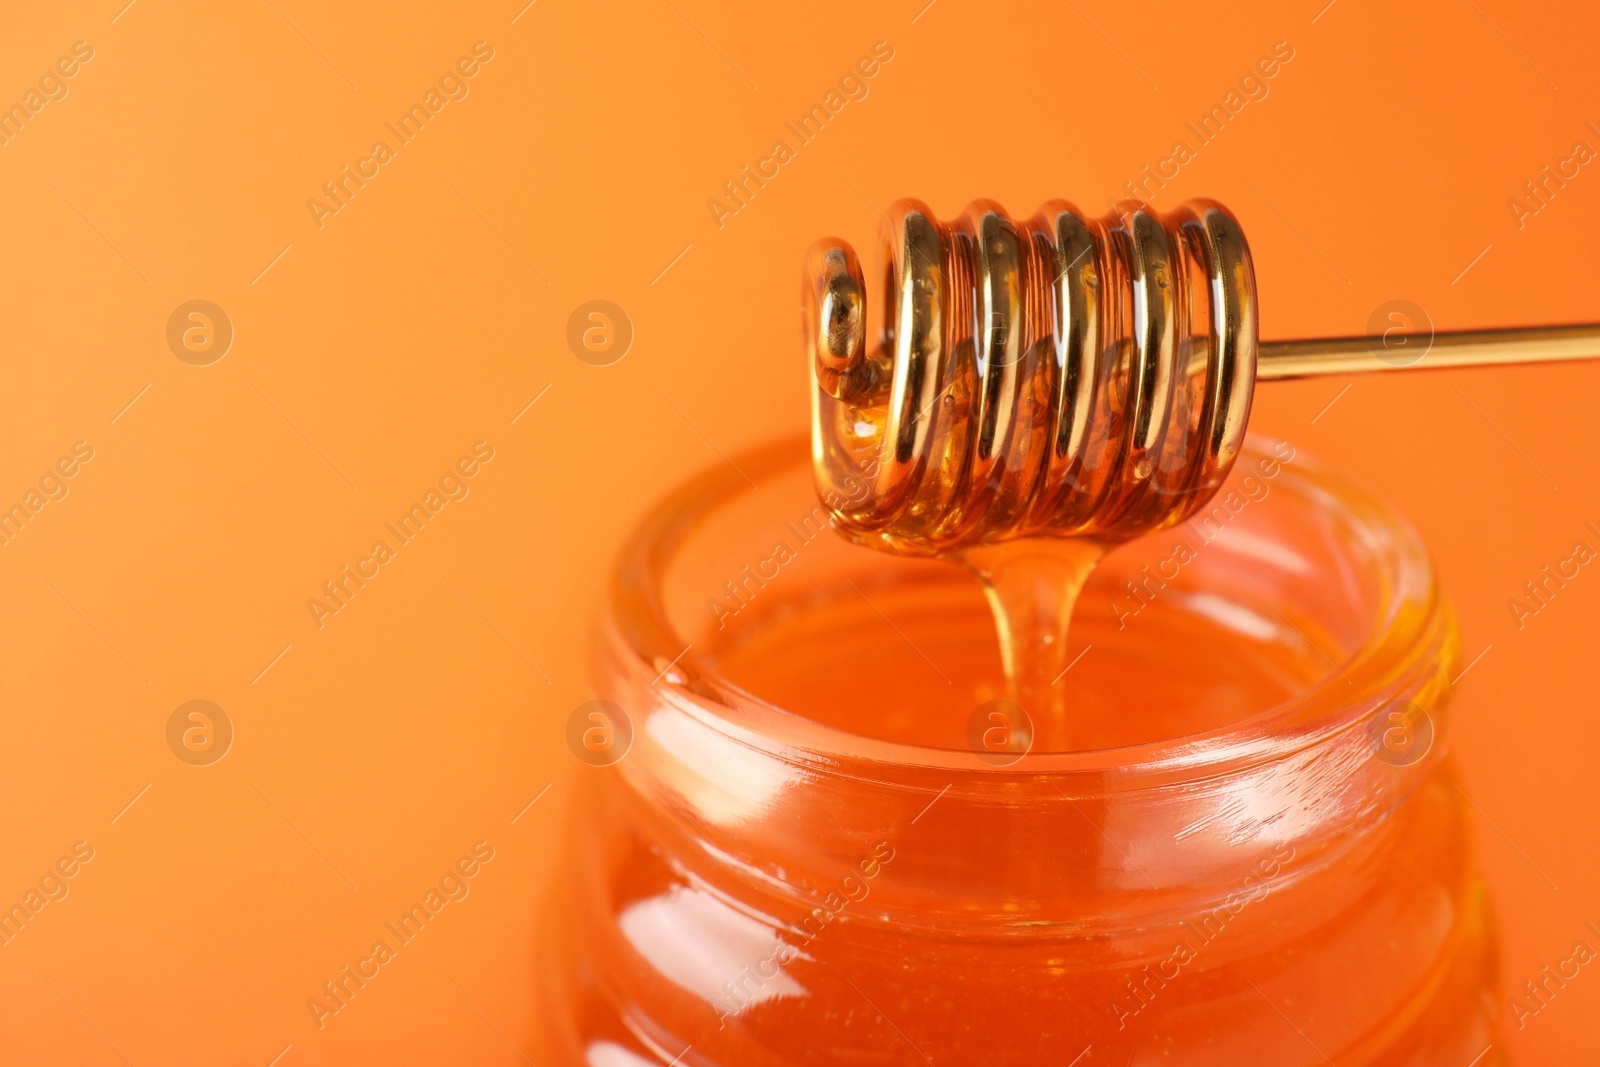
[{"x": 1406, "y": 654}]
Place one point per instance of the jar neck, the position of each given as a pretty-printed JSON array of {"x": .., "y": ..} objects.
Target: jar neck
[
  {"x": 755, "y": 801},
  {"x": 1046, "y": 843}
]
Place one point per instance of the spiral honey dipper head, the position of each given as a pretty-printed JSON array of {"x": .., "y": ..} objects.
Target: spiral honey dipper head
[{"x": 1062, "y": 377}]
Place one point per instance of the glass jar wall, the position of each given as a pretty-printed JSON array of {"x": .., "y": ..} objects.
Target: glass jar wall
[{"x": 802, "y": 849}]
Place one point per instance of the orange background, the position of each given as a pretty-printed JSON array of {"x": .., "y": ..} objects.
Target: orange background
[{"x": 430, "y": 310}]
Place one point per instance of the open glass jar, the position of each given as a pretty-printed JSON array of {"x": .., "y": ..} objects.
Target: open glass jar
[{"x": 803, "y": 848}]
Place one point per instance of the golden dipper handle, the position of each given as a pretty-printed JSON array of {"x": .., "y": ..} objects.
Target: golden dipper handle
[
  {"x": 1064, "y": 376},
  {"x": 1461, "y": 348}
]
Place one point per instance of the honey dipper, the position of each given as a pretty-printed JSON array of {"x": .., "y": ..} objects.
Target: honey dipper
[{"x": 1042, "y": 390}]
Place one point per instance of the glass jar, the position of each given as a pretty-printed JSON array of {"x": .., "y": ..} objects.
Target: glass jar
[{"x": 802, "y": 849}]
